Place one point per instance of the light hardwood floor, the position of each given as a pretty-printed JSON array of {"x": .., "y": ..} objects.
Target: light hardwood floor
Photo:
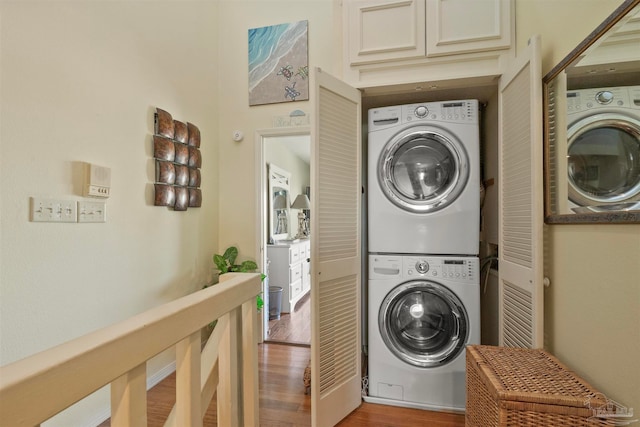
[
  {"x": 293, "y": 328},
  {"x": 283, "y": 402}
]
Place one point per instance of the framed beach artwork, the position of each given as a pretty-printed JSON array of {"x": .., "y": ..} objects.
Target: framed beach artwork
[{"x": 278, "y": 63}]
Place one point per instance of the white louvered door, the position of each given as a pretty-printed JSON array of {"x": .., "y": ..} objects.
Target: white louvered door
[
  {"x": 521, "y": 208},
  {"x": 335, "y": 254}
]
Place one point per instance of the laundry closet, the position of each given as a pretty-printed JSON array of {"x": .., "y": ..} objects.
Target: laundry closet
[
  {"x": 440, "y": 56},
  {"x": 460, "y": 56}
]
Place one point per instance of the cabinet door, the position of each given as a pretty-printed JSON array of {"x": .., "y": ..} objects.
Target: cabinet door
[
  {"x": 460, "y": 26},
  {"x": 385, "y": 30}
]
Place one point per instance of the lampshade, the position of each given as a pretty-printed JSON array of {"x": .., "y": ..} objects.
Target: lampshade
[
  {"x": 301, "y": 202},
  {"x": 280, "y": 202}
]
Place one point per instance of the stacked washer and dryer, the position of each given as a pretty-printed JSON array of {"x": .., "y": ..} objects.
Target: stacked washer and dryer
[{"x": 423, "y": 239}]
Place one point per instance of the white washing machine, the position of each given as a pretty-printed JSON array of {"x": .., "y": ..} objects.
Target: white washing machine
[
  {"x": 423, "y": 312},
  {"x": 603, "y": 144},
  {"x": 424, "y": 178}
]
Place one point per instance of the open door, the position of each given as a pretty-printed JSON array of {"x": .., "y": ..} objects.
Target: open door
[
  {"x": 521, "y": 209},
  {"x": 335, "y": 252}
]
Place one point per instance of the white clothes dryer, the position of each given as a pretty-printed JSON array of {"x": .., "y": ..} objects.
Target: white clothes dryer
[
  {"x": 423, "y": 312},
  {"x": 424, "y": 178},
  {"x": 603, "y": 149}
]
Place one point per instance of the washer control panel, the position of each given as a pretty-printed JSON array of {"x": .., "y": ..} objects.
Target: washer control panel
[{"x": 464, "y": 269}]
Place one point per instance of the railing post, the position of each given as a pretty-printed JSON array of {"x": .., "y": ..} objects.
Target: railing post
[
  {"x": 129, "y": 398},
  {"x": 188, "y": 399},
  {"x": 228, "y": 399},
  {"x": 250, "y": 364}
]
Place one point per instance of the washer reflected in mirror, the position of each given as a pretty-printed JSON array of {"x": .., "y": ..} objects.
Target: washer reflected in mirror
[{"x": 592, "y": 127}]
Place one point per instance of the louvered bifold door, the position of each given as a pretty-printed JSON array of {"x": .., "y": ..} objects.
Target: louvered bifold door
[
  {"x": 335, "y": 253},
  {"x": 521, "y": 202}
]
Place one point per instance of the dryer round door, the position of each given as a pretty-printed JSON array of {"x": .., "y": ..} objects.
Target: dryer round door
[
  {"x": 422, "y": 170},
  {"x": 423, "y": 323},
  {"x": 604, "y": 160}
]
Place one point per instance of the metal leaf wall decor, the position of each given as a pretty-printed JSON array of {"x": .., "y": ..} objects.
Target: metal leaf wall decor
[{"x": 176, "y": 149}]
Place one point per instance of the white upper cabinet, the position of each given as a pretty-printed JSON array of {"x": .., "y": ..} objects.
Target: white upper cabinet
[
  {"x": 392, "y": 41},
  {"x": 461, "y": 26},
  {"x": 385, "y": 30}
]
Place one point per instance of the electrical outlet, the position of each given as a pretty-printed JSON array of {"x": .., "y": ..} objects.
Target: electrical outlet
[
  {"x": 92, "y": 211},
  {"x": 53, "y": 210}
]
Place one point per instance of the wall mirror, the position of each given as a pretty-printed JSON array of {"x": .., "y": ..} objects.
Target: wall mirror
[
  {"x": 279, "y": 201},
  {"x": 592, "y": 126}
]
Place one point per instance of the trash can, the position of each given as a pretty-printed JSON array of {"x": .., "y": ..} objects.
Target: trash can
[{"x": 275, "y": 302}]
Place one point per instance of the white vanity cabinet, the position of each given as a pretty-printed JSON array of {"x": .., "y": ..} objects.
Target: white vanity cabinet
[
  {"x": 385, "y": 38},
  {"x": 289, "y": 269}
]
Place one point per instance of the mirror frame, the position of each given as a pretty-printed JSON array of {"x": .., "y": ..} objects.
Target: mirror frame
[{"x": 586, "y": 218}]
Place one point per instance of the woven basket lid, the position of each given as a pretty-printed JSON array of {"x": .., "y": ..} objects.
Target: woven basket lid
[{"x": 533, "y": 375}]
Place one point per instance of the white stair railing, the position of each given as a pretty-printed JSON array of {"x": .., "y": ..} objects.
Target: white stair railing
[{"x": 36, "y": 388}]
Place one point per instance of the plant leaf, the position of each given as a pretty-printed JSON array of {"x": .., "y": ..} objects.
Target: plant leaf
[
  {"x": 221, "y": 263},
  {"x": 231, "y": 254},
  {"x": 248, "y": 266}
]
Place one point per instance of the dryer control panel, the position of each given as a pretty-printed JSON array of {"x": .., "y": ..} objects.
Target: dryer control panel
[
  {"x": 602, "y": 98},
  {"x": 464, "y": 111},
  {"x": 451, "y": 111}
]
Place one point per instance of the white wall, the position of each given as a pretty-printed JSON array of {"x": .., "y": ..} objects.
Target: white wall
[
  {"x": 592, "y": 314},
  {"x": 80, "y": 81}
]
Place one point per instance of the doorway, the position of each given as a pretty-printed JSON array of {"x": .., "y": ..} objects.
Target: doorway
[{"x": 286, "y": 149}]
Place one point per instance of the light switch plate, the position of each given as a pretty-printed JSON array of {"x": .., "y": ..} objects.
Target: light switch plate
[
  {"x": 92, "y": 211},
  {"x": 53, "y": 210}
]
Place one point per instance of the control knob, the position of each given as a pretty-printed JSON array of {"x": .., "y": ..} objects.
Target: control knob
[
  {"x": 421, "y": 111},
  {"x": 422, "y": 266},
  {"x": 604, "y": 97}
]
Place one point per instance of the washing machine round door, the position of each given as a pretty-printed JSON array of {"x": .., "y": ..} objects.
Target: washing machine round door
[
  {"x": 421, "y": 170},
  {"x": 423, "y": 323},
  {"x": 603, "y": 162}
]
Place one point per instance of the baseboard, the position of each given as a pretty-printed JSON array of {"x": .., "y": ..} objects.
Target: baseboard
[
  {"x": 105, "y": 413},
  {"x": 101, "y": 417},
  {"x": 161, "y": 374}
]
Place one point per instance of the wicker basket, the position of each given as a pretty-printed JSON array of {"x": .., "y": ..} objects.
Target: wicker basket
[{"x": 523, "y": 387}]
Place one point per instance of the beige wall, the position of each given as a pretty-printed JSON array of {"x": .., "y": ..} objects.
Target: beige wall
[
  {"x": 80, "y": 81},
  {"x": 592, "y": 313},
  {"x": 238, "y": 168}
]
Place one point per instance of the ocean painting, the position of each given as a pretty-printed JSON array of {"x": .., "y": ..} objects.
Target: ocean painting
[{"x": 278, "y": 63}]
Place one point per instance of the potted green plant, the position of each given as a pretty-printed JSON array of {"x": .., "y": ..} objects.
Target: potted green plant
[{"x": 226, "y": 263}]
